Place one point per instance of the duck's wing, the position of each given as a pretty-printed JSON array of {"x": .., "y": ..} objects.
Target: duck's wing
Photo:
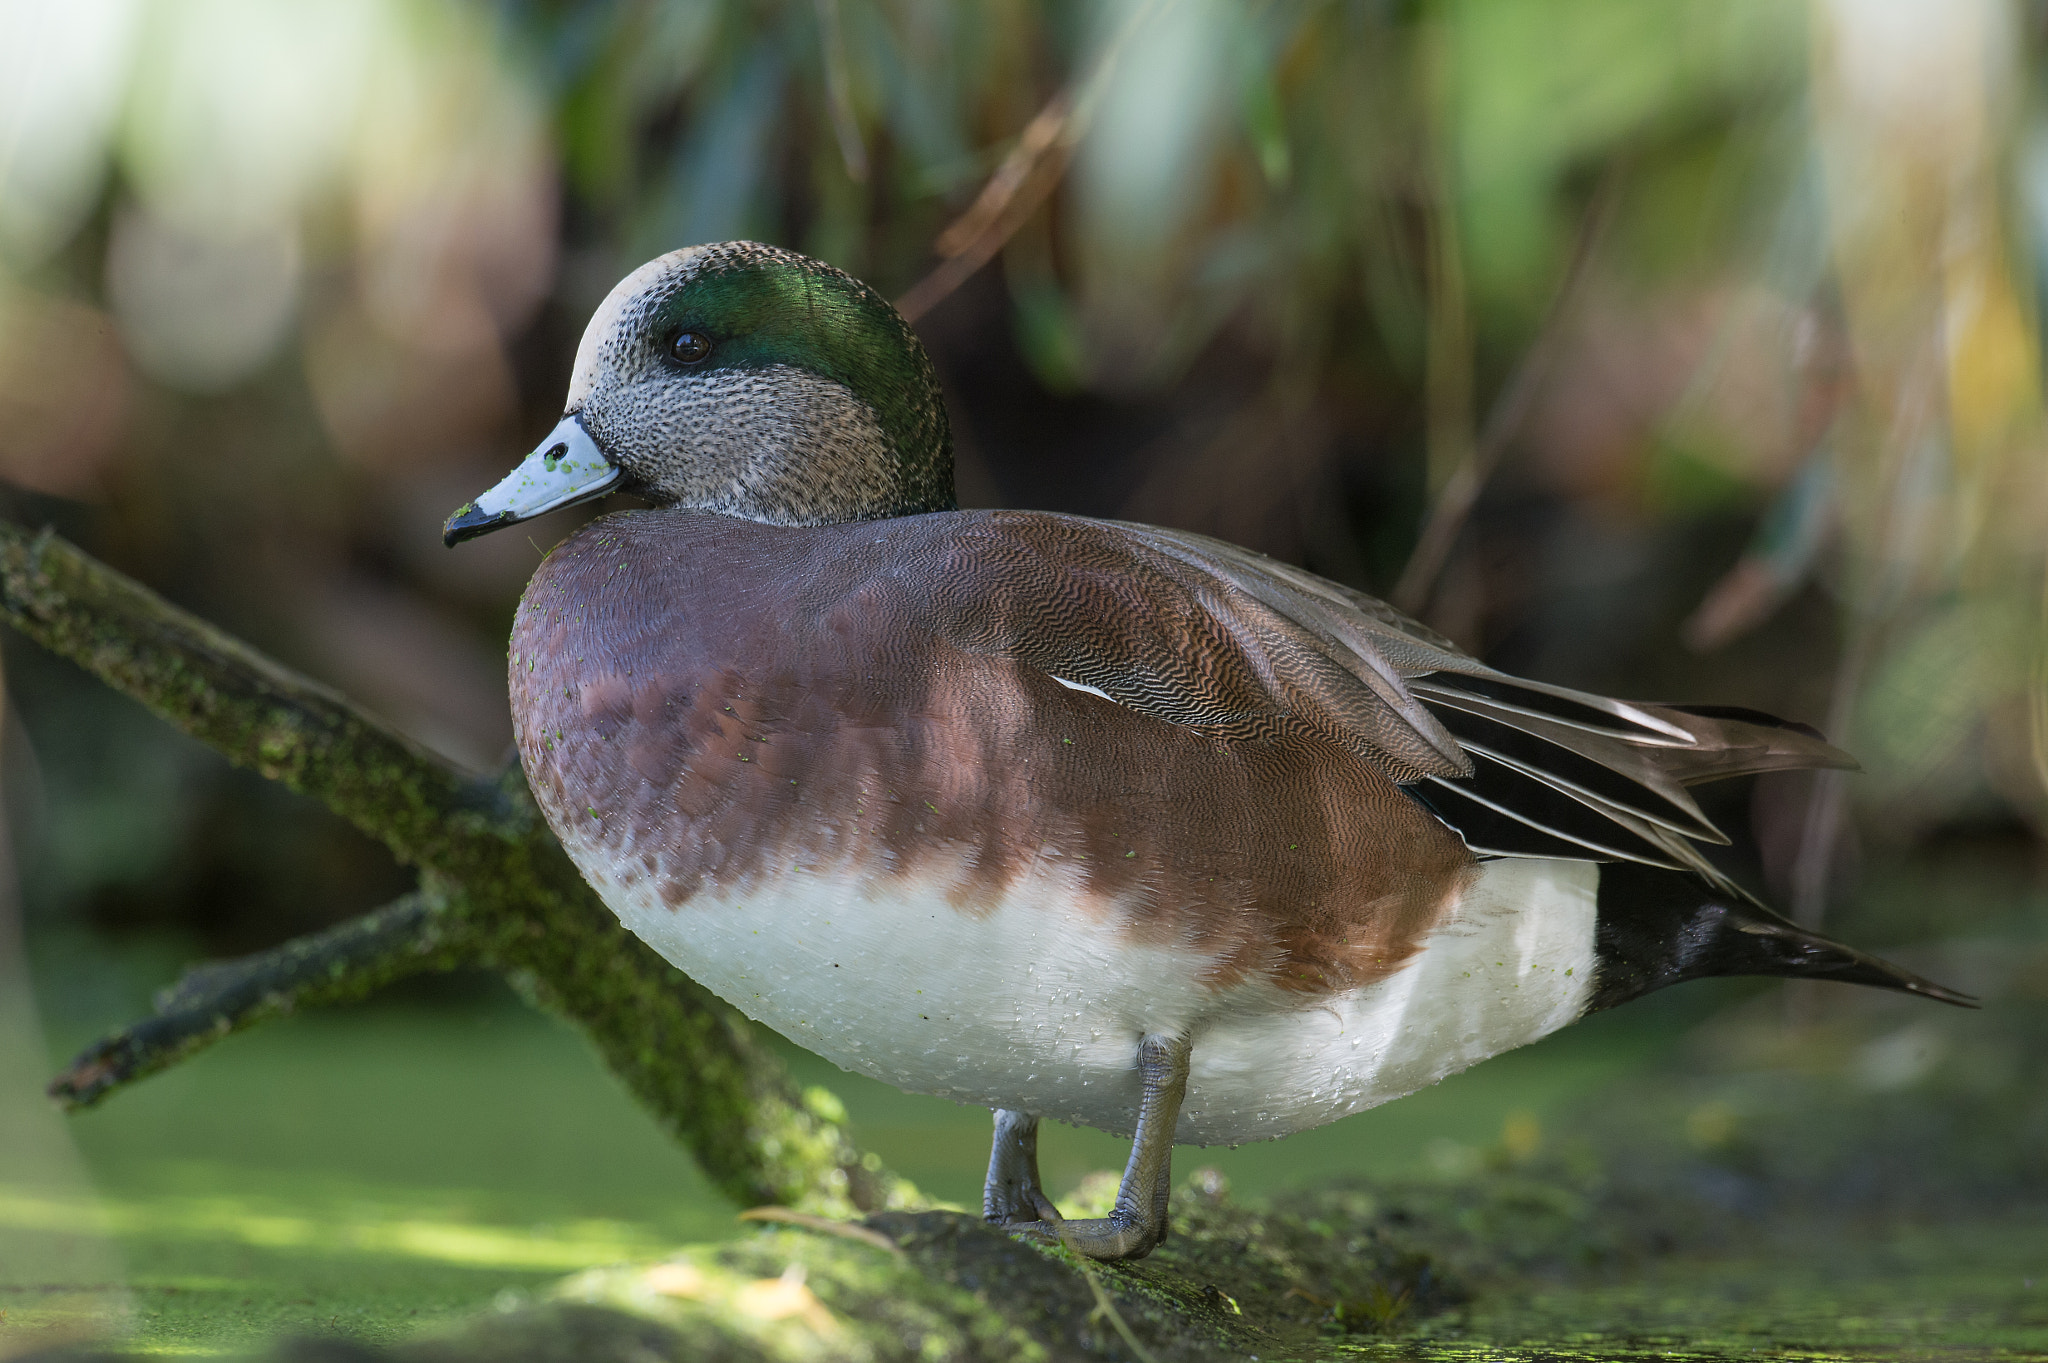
[
  {"x": 1160, "y": 627},
  {"x": 1531, "y": 770}
]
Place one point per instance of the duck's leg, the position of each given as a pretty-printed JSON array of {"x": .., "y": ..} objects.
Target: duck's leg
[
  {"x": 1014, "y": 1193},
  {"x": 1136, "y": 1225}
]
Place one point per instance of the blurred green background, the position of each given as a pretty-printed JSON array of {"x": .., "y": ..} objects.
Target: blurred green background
[{"x": 1685, "y": 350}]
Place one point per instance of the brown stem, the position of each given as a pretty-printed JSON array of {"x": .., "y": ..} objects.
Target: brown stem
[
  {"x": 1022, "y": 182},
  {"x": 1019, "y": 185}
]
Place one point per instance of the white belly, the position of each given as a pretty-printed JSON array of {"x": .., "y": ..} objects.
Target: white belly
[{"x": 1037, "y": 1003}]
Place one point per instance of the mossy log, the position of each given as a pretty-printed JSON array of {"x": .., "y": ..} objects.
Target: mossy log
[
  {"x": 495, "y": 890},
  {"x": 1314, "y": 1274}
]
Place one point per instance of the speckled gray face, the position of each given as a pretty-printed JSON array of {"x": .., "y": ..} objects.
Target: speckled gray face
[{"x": 748, "y": 380}]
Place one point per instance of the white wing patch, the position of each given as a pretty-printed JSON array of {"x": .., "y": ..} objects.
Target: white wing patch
[{"x": 1084, "y": 689}]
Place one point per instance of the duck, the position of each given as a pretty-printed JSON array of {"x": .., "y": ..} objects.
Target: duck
[{"x": 1068, "y": 818}]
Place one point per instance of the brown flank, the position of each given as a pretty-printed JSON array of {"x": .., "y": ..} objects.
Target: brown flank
[{"x": 711, "y": 702}]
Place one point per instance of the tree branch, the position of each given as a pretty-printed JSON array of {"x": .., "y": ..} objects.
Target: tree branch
[
  {"x": 405, "y": 937},
  {"x": 249, "y": 708}
]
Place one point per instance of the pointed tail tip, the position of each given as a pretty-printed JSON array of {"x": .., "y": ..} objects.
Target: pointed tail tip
[
  {"x": 1826, "y": 755},
  {"x": 1913, "y": 984},
  {"x": 1862, "y": 968},
  {"x": 1836, "y": 759}
]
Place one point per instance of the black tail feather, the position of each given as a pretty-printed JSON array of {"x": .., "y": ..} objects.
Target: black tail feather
[{"x": 1659, "y": 927}]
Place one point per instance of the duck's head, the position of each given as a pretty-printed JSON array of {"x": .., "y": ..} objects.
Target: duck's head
[{"x": 743, "y": 379}]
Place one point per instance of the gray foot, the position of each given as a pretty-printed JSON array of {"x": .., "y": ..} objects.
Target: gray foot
[
  {"x": 1137, "y": 1224},
  {"x": 1014, "y": 1195}
]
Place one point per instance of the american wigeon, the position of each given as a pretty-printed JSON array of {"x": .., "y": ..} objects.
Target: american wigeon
[{"x": 1065, "y": 817}]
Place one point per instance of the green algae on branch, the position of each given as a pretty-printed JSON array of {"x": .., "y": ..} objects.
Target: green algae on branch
[
  {"x": 496, "y": 890},
  {"x": 246, "y": 706}
]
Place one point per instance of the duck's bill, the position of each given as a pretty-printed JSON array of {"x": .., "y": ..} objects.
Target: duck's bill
[{"x": 564, "y": 469}]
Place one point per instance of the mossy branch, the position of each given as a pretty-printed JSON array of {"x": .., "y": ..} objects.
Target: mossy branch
[
  {"x": 497, "y": 890},
  {"x": 251, "y": 709},
  {"x": 213, "y": 1000}
]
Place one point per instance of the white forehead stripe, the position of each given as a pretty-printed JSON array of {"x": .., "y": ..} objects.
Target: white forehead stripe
[{"x": 676, "y": 265}]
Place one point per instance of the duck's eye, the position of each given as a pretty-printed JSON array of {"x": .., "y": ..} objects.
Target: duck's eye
[{"x": 691, "y": 347}]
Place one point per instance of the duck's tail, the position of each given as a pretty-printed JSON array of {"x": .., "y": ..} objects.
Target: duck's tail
[{"x": 1658, "y": 927}]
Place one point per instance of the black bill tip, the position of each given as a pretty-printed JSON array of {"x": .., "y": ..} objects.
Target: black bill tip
[{"x": 470, "y": 520}]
